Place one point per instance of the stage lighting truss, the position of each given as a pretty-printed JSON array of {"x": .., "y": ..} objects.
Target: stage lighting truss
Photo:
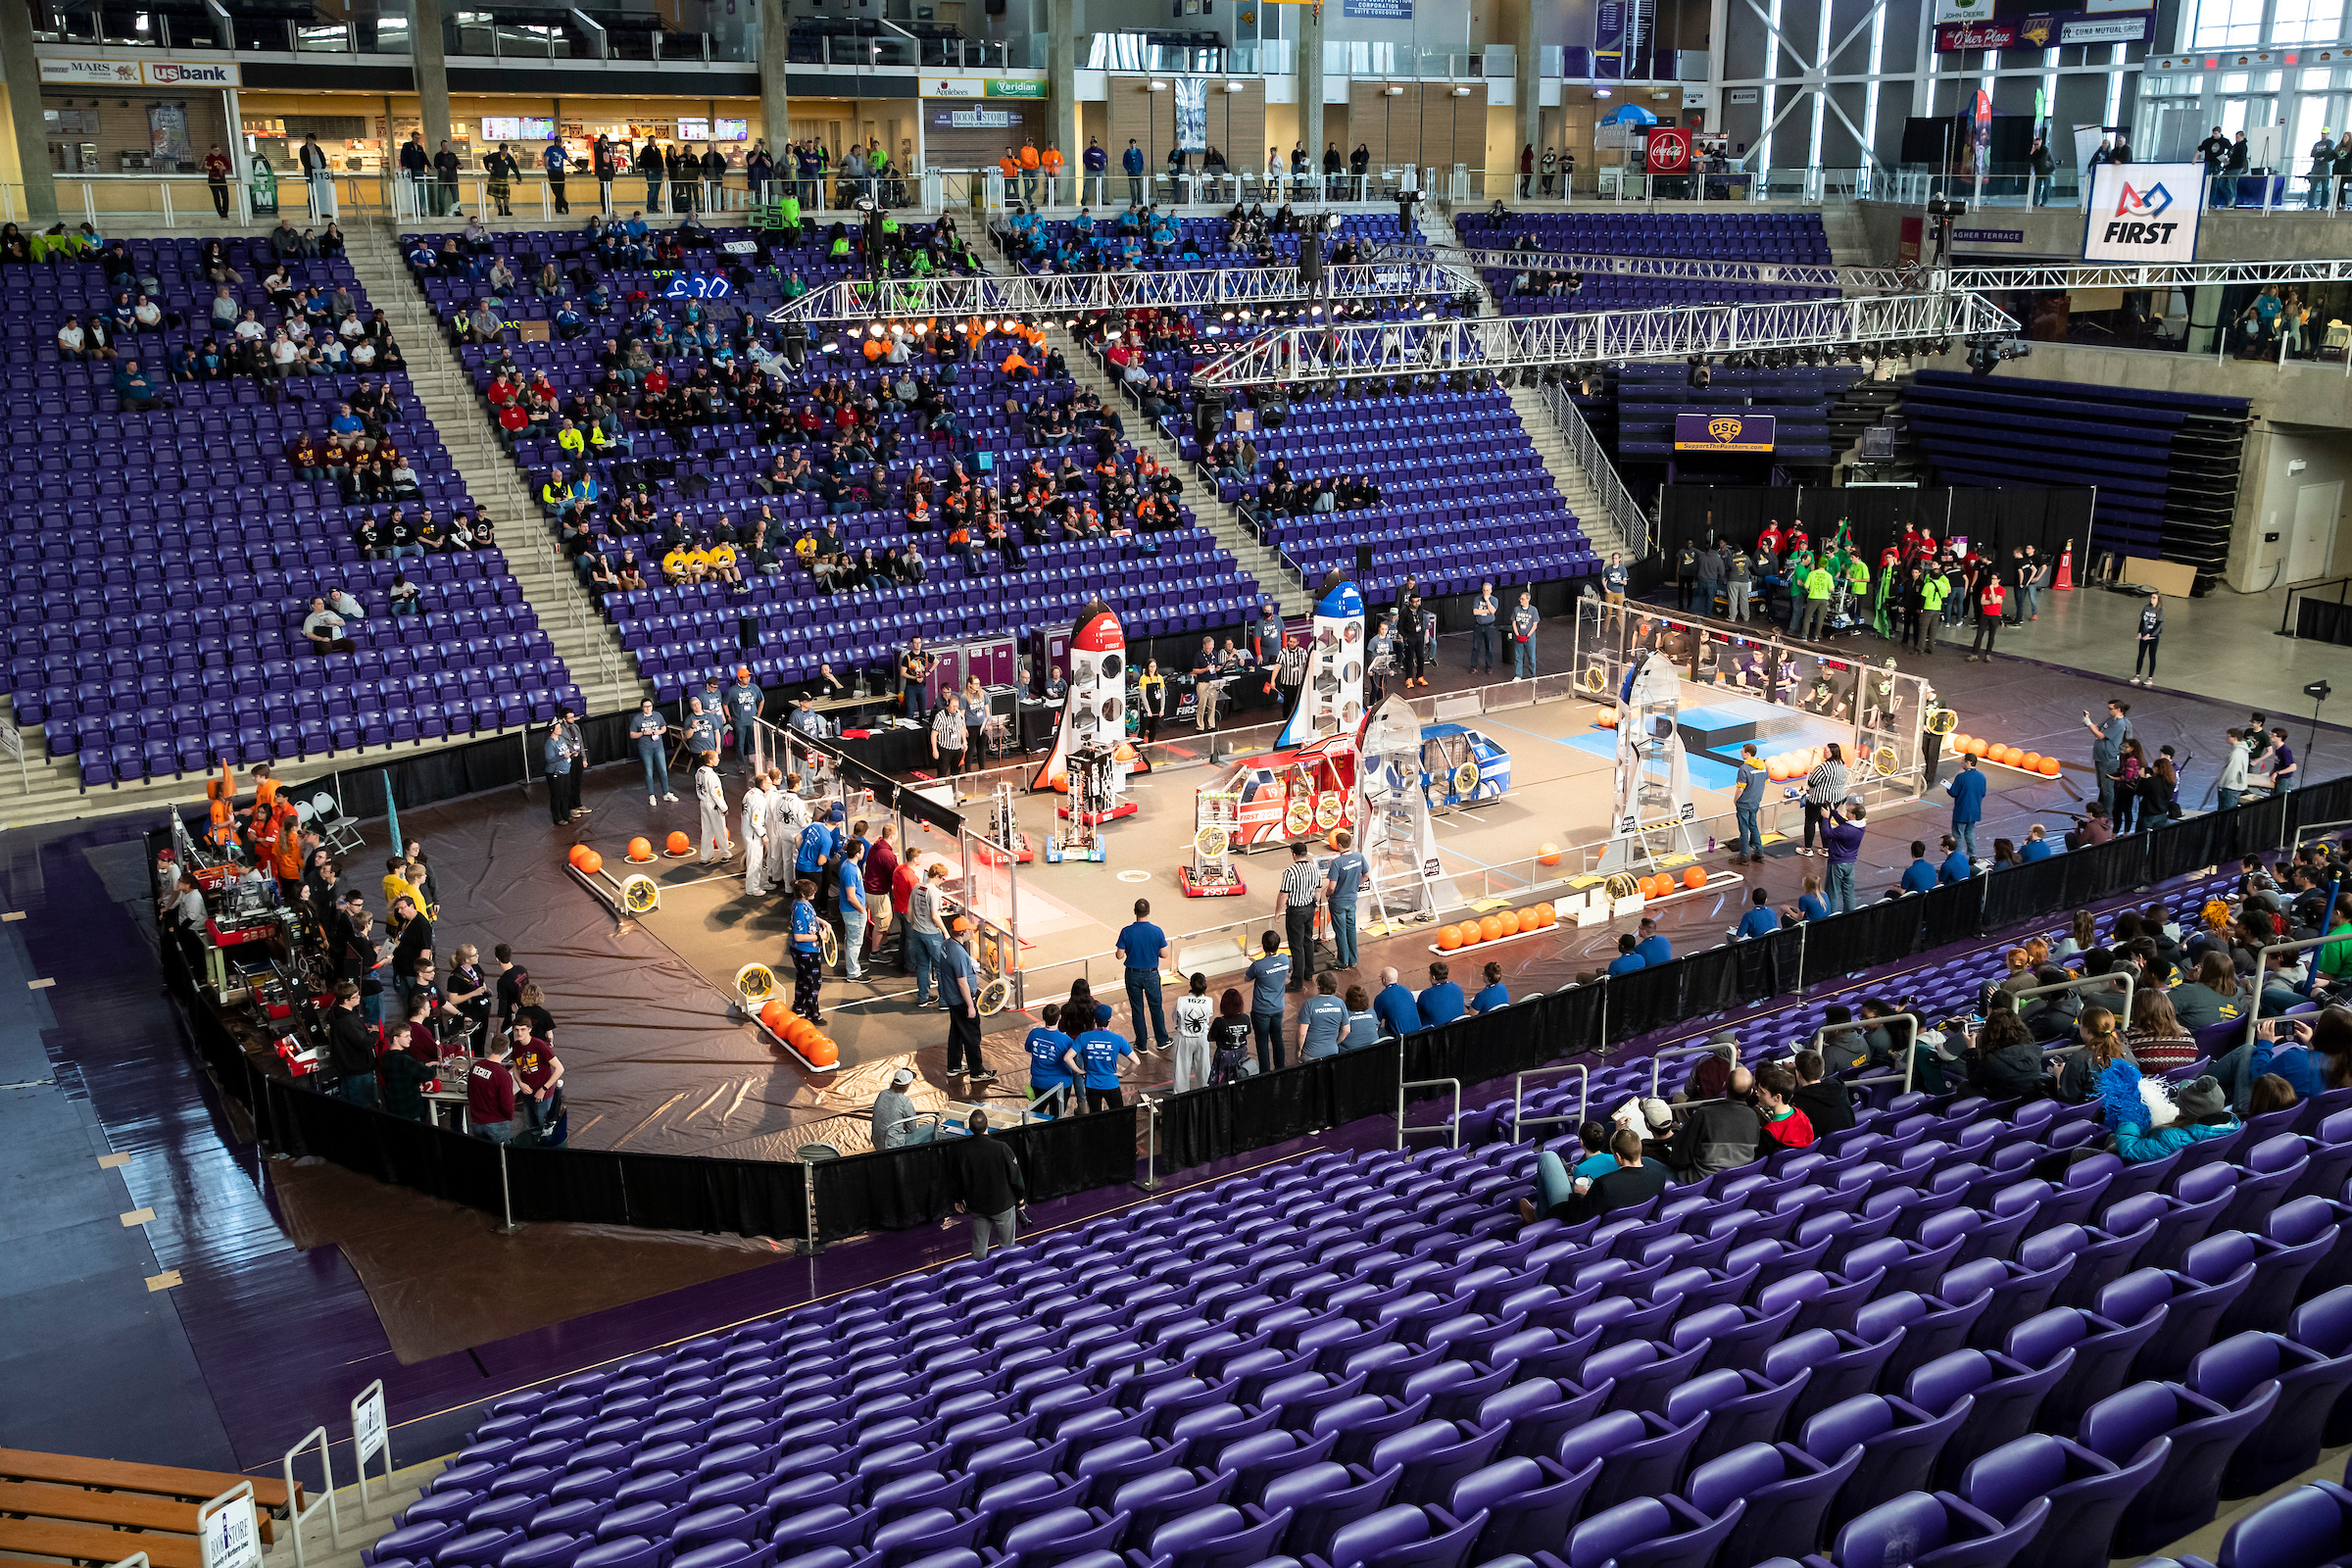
[
  {"x": 1680, "y": 333},
  {"x": 1691, "y": 269},
  {"x": 1067, "y": 295}
]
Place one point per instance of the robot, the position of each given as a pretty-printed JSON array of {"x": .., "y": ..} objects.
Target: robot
[
  {"x": 1094, "y": 718},
  {"x": 1649, "y": 735}
]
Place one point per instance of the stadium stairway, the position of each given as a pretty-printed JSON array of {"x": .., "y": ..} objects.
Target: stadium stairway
[
  {"x": 1551, "y": 442},
  {"x": 588, "y": 644}
]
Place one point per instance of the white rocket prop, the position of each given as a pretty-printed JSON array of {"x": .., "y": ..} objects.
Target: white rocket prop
[
  {"x": 1400, "y": 842},
  {"x": 1332, "y": 702},
  {"x": 1648, "y": 732},
  {"x": 1094, "y": 710}
]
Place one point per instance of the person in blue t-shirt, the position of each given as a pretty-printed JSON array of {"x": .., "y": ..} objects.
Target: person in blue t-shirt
[
  {"x": 1810, "y": 904},
  {"x": 1760, "y": 919},
  {"x": 1957, "y": 867},
  {"x": 1494, "y": 995},
  {"x": 1270, "y": 976},
  {"x": 1593, "y": 1138},
  {"x": 1142, "y": 945},
  {"x": 1053, "y": 1062},
  {"x": 1342, "y": 880},
  {"x": 1399, "y": 1013},
  {"x": 2035, "y": 847},
  {"x": 819, "y": 841},
  {"x": 1322, "y": 1021},
  {"x": 1653, "y": 945},
  {"x": 1442, "y": 1001},
  {"x": 1101, "y": 1052},
  {"x": 1920, "y": 875},
  {"x": 1628, "y": 959},
  {"x": 808, "y": 954}
]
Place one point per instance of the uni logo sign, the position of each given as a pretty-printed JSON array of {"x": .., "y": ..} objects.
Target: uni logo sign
[{"x": 2149, "y": 203}]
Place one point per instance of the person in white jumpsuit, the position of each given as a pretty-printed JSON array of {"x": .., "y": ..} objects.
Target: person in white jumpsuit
[
  {"x": 787, "y": 815},
  {"x": 756, "y": 805},
  {"x": 713, "y": 801}
]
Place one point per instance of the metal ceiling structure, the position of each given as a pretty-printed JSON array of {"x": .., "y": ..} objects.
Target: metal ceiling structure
[
  {"x": 1513, "y": 342},
  {"x": 1068, "y": 294}
]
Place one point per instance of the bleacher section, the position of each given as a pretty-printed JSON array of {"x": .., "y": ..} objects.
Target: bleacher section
[
  {"x": 1166, "y": 582},
  {"x": 1785, "y": 237},
  {"x": 2166, "y": 464},
  {"x": 1639, "y": 403},
  {"x": 1464, "y": 495},
  {"x": 1201, "y": 242},
  {"x": 216, "y": 547},
  {"x": 1953, "y": 1333}
]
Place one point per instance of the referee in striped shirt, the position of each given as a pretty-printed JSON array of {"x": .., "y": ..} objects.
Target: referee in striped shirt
[{"x": 1301, "y": 885}]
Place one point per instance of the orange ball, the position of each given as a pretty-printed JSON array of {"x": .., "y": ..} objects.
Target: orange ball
[
  {"x": 590, "y": 864},
  {"x": 822, "y": 1052},
  {"x": 2050, "y": 768},
  {"x": 679, "y": 844},
  {"x": 774, "y": 1014},
  {"x": 1546, "y": 916},
  {"x": 1776, "y": 770},
  {"x": 576, "y": 850},
  {"x": 2012, "y": 755},
  {"x": 2031, "y": 763},
  {"x": 1490, "y": 928},
  {"x": 1957, "y": 741},
  {"x": 1450, "y": 937},
  {"x": 797, "y": 1031},
  {"x": 1061, "y": 783},
  {"x": 1508, "y": 922},
  {"x": 1977, "y": 746},
  {"x": 1609, "y": 719},
  {"x": 641, "y": 849},
  {"x": 1548, "y": 855},
  {"x": 1696, "y": 877}
]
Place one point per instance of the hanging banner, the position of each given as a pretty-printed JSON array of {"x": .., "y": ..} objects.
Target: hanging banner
[
  {"x": 1192, "y": 114},
  {"x": 2043, "y": 30},
  {"x": 2143, "y": 213},
  {"x": 1723, "y": 432},
  {"x": 1963, "y": 10},
  {"x": 1379, "y": 10},
  {"x": 168, "y": 133},
  {"x": 1609, "y": 23}
]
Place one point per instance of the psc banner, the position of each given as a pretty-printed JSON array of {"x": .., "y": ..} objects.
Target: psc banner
[{"x": 2143, "y": 213}]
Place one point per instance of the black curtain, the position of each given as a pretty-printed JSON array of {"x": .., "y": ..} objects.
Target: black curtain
[
  {"x": 1217, "y": 1123},
  {"x": 898, "y": 1189},
  {"x": 2005, "y": 517},
  {"x": 2022, "y": 891}
]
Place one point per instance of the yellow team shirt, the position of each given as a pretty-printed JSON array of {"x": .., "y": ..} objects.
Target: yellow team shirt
[
  {"x": 722, "y": 556},
  {"x": 675, "y": 562},
  {"x": 698, "y": 557}
]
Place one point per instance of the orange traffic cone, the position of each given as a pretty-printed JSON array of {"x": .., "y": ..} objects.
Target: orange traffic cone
[{"x": 2066, "y": 568}]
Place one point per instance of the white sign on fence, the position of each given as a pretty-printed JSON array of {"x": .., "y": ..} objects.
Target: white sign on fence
[
  {"x": 368, "y": 1432},
  {"x": 229, "y": 1533}
]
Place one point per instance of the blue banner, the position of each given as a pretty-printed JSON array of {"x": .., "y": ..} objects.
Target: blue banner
[
  {"x": 1609, "y": 22},
  {"x": 1192, "y": 114},
  {"x": 1385, "y": 10}
]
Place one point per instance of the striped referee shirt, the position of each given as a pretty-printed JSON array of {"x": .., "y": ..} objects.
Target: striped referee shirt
[{"x": 1301, "y": 883}]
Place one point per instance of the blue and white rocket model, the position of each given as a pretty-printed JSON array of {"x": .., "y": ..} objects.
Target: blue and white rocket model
[{"x": 1330, "y": 703}]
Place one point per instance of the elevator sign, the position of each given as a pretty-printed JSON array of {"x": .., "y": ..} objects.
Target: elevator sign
[{"x": 2144, "y": 213}]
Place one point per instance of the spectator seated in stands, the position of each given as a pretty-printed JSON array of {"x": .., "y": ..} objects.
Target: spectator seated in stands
[
  {"x": 1719, "y": 1129},
  {"x": 2144, "y": 1123},
  {"x": 323, "y": 629},
  {"x": 135, "y": 393}
]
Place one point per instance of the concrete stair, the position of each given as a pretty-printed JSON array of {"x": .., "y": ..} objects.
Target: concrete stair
[{"x": 583, "y": 639}]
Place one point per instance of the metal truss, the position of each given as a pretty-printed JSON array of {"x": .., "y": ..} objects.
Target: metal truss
[
  {"x": 1076, "y": 293},
  {"x": 1689, "y": 270},
  {"x": 1501, "y": 343},
  {"x": 2185, "y": 275}
]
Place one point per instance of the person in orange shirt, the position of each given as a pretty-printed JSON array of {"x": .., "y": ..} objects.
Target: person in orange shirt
[
  {"x": 264, "y": 787},
  {"x": 1009, "y": 166},
  {"x": 1015, "y": 368},
  {"x": 1029, "y": 162},
  {"x": 1051, "y": 163},
  {"x": 289, "y": 854}
]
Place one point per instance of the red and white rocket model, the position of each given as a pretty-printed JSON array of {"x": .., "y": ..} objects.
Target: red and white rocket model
[{"x": 1094, "y": 710}]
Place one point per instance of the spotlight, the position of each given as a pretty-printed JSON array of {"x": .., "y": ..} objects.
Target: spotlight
[{"x": 830, "y": 347}]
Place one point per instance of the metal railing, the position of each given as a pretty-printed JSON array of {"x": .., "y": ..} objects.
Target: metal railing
[
  {"x": 1728, "y": 1049},
  {"x": 1151, "y": 1108},
  {"x": 2261, "y": 964},
  {"x": 1910, "y": 1054},
  {"x": 297, "y": 1514},
  {"x": 1452, "y": 1126},
  {"x": 1625, "y": 512},
  {"x": 1583, "y": 1102},
  {"x": 2084, "y": 983}
]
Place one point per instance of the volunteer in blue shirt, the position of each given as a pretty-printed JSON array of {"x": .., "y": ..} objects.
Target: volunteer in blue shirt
[
  {"x": 808, "y": 952},
  {"x": 560, "y": 759},
  {"x": 2036, "y": 848},
  {"x": 1920, "y": 875},
  {"x": 1494, "y": 995},
  {"x": 1399, "y": 1013},
  {"x": 1761, "y": 919},
  {"x": 1132, "y": 161},
  {"x": 1270, "y": 976},
  {"x": 1322, "y": 1021},
  {"x": 557, "y": 161},
  {"x": 851, "y": 891},
  {"x": 744, "y": 700},
  {"x": 1966, "y": 789},
  {"x": 1627, "y": 959},
  {"x": 650, "y": 732},
  {"x": 1052, "y": 1063},
  {"x": 1653, "y": 945},
  {"x": 1142, "y": 945},
  {"x": 1442, "y": 1001},
  {"x": 1810, "y": 904},
  {"x": 819, "y": 841},
  {"x": 1343, "y": 881},
  {"x": 1101, "y": 1052},
  {"x": 1957, "y": 867},
  {"x": 703, "y": 727},
  {"x": 959, "y": 987}
]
